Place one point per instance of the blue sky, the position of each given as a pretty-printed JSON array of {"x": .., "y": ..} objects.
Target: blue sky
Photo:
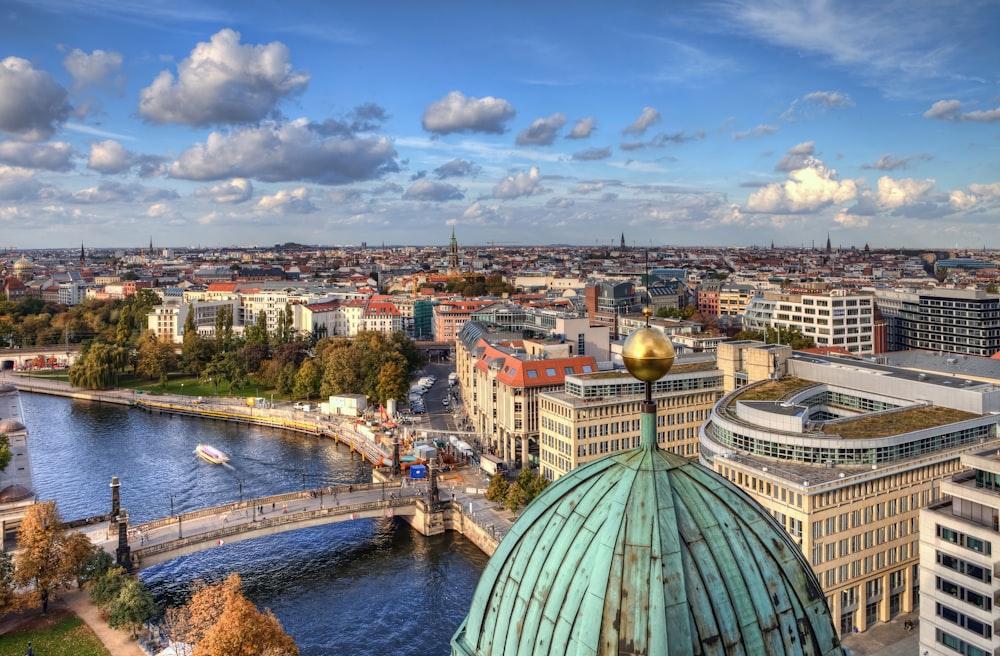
[{"x": 719, "y": 122}]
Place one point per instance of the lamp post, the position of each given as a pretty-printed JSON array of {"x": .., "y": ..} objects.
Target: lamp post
[
  {"x": 171, "y": 505},
  {"x": 240, "y": 483}
]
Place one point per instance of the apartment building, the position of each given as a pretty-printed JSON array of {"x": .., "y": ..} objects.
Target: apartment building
[
  {"x": 450, "y": 316},
  {"x": 833, "y": 318},
  {"x": 500, "y": 383},
  {"x": 959, "y": 581},
  {"x": 167, "y": 321},
  {"x": 844, "y": 453},
  {"x": 598, "y": 414}
]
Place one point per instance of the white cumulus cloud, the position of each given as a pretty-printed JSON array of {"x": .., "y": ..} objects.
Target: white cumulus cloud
[
  {"x": 517, "y": 186},
  {"x": 893, "y": 194},
  {"x": 98, "y": 69},
  {"x": 278, "y": 152},
  {"x": 458, "y": 113},
  {"x": 233, "y": 191},
  {"x": 223, "y": 81},
  {"x": 542, "y": 131},
  {"x": 295, "y": 201},
  {"x": 52, "y": 156},
  {"x": 806, "y": 190},
  {"x": 424, "y": 189},
  {"x": 109, "y": 157},
  {"x": 32, "y": 103}
]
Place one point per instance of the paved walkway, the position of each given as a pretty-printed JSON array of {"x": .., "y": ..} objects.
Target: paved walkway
[
  {"x": 119, "y": 643},
  {"x": 888, "y": 639}
]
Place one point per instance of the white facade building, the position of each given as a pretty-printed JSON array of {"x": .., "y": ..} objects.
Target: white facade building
[
  {"x": 959, "y": 586},
  {"x": 830, "y": 318}
]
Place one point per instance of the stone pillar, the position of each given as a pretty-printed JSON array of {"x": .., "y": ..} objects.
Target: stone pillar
[
  {"x": 525, "y": 452},
  {"x": 115, "y": 497},
  {"x": 123, "y": 554},
  {"x": 396, "y": 468}
]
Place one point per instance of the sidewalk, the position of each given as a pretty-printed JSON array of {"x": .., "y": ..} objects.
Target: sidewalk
[
  {"x": 119, "y": 643},
  {"x": 887, "y": 639}
]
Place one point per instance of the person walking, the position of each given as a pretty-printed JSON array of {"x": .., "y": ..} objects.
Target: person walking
[{"x": 30, "y": 652}]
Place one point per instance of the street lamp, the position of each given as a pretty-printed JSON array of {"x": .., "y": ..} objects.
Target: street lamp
[{"x": 171, "y": 505}]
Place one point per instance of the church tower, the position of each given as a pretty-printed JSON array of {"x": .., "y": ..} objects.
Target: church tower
[
  {"x": 453, "y": 253},
  {"x": 623, "y": 241},
  {"x": 83, "y": 258}
]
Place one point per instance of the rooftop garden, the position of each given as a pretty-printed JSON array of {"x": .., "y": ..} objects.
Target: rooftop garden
[
  {"x": 897, "y": 423},
  {"x": 773, "y": 390}
]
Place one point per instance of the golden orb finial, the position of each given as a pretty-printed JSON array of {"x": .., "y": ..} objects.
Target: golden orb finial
[{"x": 648, "y": 354}]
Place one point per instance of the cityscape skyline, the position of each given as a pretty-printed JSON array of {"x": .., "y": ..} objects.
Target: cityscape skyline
[{"x": 725, "y": 123}]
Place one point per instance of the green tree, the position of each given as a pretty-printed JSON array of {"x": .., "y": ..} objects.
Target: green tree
[
  {"x": 97, "y": 563},
  {"x": 515, "y": 498},
  {"x": 392, "y": 380},
  {"x": 105, "y": 587},
  {"x": 5, "y": 454},
  {"x": 256, "y": 333},
  {"x": 156, "y": 358},
  {"x": 992, "y": 288},
  {"x": 123, "y": 331},
  {"x": 131, "y": 607},
  {"x": 97, "y": 367},
  {"x": 48, "y": 558},
  {"x": 196, "y": 352},
  {"x": 497, "y": 489},
  {"x": 307, "y": 380}
]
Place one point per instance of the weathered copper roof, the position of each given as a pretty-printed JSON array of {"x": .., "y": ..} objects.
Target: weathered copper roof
[
  {"x": 646, "y": 552},
  {"x": 13, "y": 493}
]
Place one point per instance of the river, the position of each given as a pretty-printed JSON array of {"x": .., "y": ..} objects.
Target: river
[{"x": 366, "y": 587}]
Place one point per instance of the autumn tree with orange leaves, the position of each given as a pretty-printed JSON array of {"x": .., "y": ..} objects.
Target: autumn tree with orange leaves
[
  {"x": 220, "y": 621},
  {"x": 49, "y": 557}
]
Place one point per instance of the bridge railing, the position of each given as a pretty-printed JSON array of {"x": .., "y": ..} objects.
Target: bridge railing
[
  {"x": 277, "y": 498},
  {"x": 272, "y": 520}
]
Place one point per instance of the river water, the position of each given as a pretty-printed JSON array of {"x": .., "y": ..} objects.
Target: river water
[{"x": 365, "y": 587}]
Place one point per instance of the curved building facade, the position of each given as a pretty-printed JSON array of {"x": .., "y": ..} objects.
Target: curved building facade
[{"x": 844, "y": 453}]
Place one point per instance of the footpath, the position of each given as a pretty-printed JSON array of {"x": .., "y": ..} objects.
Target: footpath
[{"x": 119, "y": 643}]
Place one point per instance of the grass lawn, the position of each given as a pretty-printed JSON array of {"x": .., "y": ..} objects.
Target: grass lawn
[
  {"x": 60, "y": 633},
  {"x": 178, "y": 384}
]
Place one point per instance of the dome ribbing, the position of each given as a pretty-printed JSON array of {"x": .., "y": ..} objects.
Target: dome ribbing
[{"x": 646, "y": 552}]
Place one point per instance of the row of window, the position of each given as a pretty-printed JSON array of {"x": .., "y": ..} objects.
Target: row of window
[
  {"x": 962, "y": 566},
  {"x": 863, "y": 516},
  {"x": 864, "y": 566},
  {"x": 967, "y": 622},
  {"x": 970, "y": 542},
  {"x": 958, "y": 645},
  {"x": 826, "y": 552},
  {"x": 971, "y": 597}
]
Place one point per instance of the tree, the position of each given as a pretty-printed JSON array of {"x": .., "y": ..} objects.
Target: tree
[
  {"x": 7, "y": 588},
  {"x": 307, "y": 380},
  {"x": 196, "y": 352},
  {"x": 105, "y": 587},
  {"x": 257, "y": 332},
  {"x": 156, "y": 358},
  {"x": 392, "y": 380},
  {"x": 98, "y": 366},
  {"x": 47, "y": 561},
  {"x": 5, "y": 454},
  {"x": 97, "y": 563},
  {"x": 131, "y": 607},
  {"x": 497, "y": 490},
  {"x": 516, "y": 497},
  {"x": 992, "y": 288},
  {"x": 220, "y": 621}
]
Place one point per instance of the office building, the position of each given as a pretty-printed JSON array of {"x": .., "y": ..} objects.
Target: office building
[{"x": 844, "y": 453}]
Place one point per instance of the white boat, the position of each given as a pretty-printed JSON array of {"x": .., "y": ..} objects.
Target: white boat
[{"x": 211, "y": 454}]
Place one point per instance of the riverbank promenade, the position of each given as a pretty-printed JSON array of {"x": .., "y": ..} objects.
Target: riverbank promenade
[{"x": 461, "y": 505}]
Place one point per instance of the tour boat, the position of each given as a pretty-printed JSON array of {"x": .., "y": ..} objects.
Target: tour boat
[{"x": 211, "y": 454}]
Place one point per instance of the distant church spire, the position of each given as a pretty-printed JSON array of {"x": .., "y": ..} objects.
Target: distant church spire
[
  {"x": 623, "y": 240},
  {"x": 83, "y": 258},
  {"x": 828, "y": 249},
  {"x": 453, "y": 252}
]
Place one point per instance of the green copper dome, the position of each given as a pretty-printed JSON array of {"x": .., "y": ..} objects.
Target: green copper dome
[{"x": 646, "y": 552}]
